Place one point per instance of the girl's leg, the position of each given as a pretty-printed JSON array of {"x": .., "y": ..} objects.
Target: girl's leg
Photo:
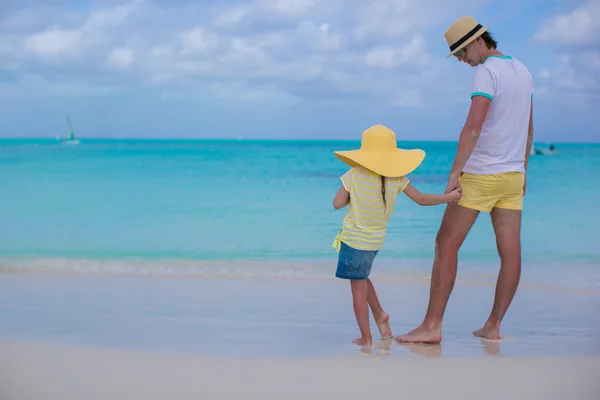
[
  {"x": 361, "y": 310},
  {"x": 380, "y": 316}
]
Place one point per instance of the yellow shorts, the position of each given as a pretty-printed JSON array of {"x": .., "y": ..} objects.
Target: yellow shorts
[{"x": 485, "y": 192}]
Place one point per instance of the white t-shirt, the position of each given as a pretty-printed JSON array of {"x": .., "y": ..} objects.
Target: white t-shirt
[{"x": 503, "y": 139}]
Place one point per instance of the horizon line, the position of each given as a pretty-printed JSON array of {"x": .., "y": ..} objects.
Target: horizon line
[{"x": 256, "y": 139}]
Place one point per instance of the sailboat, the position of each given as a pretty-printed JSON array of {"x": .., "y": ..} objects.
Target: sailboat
[
  {"x": 538, "y": 151},
  {"x": 70, "y": 139}
]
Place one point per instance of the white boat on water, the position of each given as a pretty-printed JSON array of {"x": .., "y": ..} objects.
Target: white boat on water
[
  {"x": 70, "y": 139},
  {"x": 538, "y": 151}
]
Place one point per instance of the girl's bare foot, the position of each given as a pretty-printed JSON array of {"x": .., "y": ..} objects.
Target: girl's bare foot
[{"x": 383, "y": 324}]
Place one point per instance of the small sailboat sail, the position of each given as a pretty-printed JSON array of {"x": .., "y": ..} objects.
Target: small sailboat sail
[{"x": 71, "y": 137}]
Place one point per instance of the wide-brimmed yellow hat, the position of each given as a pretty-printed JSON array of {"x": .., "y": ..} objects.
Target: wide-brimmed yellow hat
[
  {"x": 379, "y": 153},
  {"x": 462, "y": 32}
]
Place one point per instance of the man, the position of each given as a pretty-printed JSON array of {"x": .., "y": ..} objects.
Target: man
[{"x": 490, "y": 165}]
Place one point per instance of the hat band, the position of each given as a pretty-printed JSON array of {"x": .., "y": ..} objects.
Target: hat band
[{"x": 466, "y": 37}]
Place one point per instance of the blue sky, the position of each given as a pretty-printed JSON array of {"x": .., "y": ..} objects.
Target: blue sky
[{"x": 283, "y": 68}]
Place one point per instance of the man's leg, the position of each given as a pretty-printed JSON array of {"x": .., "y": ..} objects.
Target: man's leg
[
  {"x": 456, "y": 224},
  {"x": 507, "y": 226}
]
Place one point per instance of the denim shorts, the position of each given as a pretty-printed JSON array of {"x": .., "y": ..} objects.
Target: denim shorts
[{"x": 354, "y": 263}]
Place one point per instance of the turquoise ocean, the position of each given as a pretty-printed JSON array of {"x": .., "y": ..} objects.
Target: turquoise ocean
[
  {"x": 246, "y": 208},
  {"x": 224, "y": 248}
]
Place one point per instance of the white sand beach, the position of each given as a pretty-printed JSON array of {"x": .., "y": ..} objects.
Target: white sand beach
[{"x": 31, "y": 371}]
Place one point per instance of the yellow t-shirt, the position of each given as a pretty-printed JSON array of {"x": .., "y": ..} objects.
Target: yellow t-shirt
[{"x": 367, "y": 218}]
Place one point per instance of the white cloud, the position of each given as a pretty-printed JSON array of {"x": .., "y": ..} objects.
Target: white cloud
[
  {"x": 54, "y": 41},
  {"x": 545, "y": 73},
  {"x": 41, "y": 17},
  {"x": 305, "y": 48},
  {"x": 198, "y": 41},
  {"x": 575, "y": 75},
  {"x": 571, "y": 79},
  {"x": 580, "y": 26},
  {"x": 566, "y": 76},
  {"x": 57, "y": 41},
  {"x": 319, "y": 37},
  {"x": 393, "y": 56},
  {"x": 292, "y": 8},
  {"x": 232, "y": 16},
  {"x": 120, "y": 57},
  {"x": 244, "y": 52},
  {"x": 397, "y": 18}
]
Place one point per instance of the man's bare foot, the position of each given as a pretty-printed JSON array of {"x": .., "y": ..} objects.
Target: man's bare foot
[
  {"x": 421, "y": 335},
  {"x": 362, "y": 342},
  {"x": 383, "y": 323},
  {"x": 488, "y": 332}
]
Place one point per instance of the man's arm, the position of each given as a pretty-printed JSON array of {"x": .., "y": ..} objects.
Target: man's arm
[
  {"x": 470, "y": 134},
  {"x": 529, "y": 136},
  {"x": 528, "y": 147}
]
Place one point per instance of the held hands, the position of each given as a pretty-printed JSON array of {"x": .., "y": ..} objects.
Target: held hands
[
  {"x": 454, "y": 196},
  {"x": 453, "y": 183},
  {"x": 453, "y": 190}
]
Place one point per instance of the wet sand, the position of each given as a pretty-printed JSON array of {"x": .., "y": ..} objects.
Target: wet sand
[{"x": 278, "y": 318}]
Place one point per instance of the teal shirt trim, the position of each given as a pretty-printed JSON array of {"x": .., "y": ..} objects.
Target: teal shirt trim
[
  {"x": 500, "y": 57},
  {"x": 489, "y": 96}
]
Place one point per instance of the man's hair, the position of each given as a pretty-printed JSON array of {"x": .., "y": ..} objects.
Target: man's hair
[{"x": 489, "y": 40}]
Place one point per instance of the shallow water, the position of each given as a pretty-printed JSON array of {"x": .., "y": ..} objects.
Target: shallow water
[{"x": 260, "y": 200}]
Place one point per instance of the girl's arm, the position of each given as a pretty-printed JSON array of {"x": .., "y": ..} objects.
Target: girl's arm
[
  {"x": 423, "y": 199},
  {"x": 341, "y": 199}
]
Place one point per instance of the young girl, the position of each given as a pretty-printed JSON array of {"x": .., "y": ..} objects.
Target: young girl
[{"x": 369, "y": 188}]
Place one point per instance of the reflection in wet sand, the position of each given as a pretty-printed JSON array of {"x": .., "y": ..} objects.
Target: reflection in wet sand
[
  {"x": 424, "y": 349},
  {"x": 492, "y": 347}
]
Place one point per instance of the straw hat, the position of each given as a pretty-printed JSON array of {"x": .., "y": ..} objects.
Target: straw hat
[
  {"x": 379, "y": 153},
  {"x": 462, "y": 32}
]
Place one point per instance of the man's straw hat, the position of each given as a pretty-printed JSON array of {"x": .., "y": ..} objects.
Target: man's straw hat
[
  {"x": 379, "y": 153},
  {"x": 462, "y": 32}
]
